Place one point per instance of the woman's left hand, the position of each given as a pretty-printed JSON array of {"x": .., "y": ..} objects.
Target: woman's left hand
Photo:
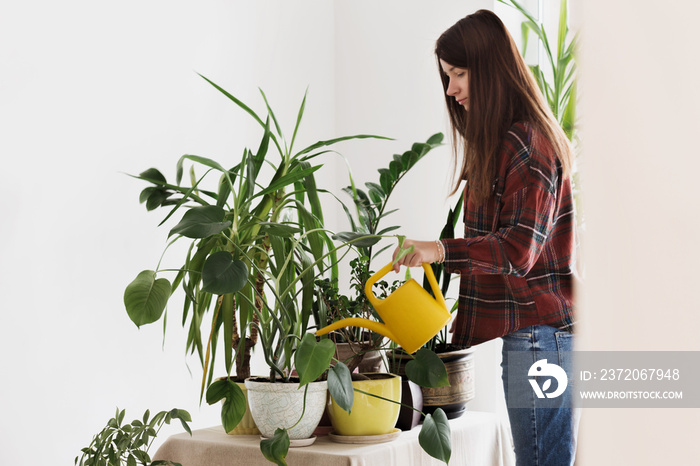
[{"x": 423, "y": 251}]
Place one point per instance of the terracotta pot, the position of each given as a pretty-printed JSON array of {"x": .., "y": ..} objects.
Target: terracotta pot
[
  {"x": 370, "y": 361},
  {"x": 280, "y": 405}
]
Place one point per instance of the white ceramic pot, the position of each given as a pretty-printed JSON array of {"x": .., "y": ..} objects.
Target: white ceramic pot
[{"x": 280, "y": 405}]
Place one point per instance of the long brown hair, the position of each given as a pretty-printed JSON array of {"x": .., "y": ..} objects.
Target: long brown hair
[{"x": 502, "y": 91}]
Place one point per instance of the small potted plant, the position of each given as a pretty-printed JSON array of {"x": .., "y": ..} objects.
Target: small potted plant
[
  {"x": 364, "y": 216},
  {"x": 128, "y": 444},
  {"x": 459, "y": 360}
]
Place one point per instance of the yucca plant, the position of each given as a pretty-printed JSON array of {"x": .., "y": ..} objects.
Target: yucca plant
[
  {"x": 231, "y": 229},
  {"x": 255, "y": 249}
]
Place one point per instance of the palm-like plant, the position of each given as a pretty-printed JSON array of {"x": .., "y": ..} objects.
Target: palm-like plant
[
  {"x": 232, "y": 229},
  {"x": 560, "y": 65}
]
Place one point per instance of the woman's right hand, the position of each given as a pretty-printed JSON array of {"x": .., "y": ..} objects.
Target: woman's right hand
[{"x": 423, "y": 252}]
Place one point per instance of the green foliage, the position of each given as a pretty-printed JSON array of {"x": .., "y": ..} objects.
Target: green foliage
[
  {"x": 331, "y": 305},
  {"x": 275, "y": 449},
  {"x": 435, "y": 436},
  {"x": 234, "y": 401},
  {"x": 145, "y": 297},
  {"x": 371, "y": 203},
  {"x": 427, "y": 369},
  {"x": 558, "y": 81},
  {"x": 128, "y": 444},
  {"x": 340, "y": 386},
  {"x": 313, "y": 358},
  {"x": 256, "y": 238}
]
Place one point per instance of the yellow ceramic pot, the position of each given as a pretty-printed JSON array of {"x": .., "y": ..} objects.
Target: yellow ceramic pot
[
  {"x": 369, "y": 415},
  {"x": 247, "y": 425}
]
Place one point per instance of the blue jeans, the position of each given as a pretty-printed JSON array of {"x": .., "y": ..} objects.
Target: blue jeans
[{"x": 544, "y": 429}]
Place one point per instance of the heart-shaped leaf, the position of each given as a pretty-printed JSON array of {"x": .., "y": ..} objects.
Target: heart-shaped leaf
[
  {"x": 221, "y": 274},
  {"x": 275, "y": 449},
  {"x": 145, "y": 298},
  {"x": 234, "y": 405},
  {"x": 312, "y": 358},
  {"x": 201, "y": 222},
  {"x": 427, "y": 369},
  {"x": 435, "y": 436},
  {"x": 340, "y": 386}
]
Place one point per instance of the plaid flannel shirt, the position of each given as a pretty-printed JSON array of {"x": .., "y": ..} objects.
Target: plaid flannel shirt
[{"x": 516, "y": 259}]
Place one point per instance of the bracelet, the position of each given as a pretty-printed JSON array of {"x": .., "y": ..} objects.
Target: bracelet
[{"x": 441, "y": 252}]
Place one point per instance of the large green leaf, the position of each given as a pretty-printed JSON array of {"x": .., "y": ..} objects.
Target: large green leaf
[
  {"x": 275, "y": 449},
  {"x": 234, "y": 405},
  {"x": 288, "y": 179},
  {"x": 435, "y": 436},
  {"x": 145, "y": 297},
  {"x": 201, "y": 222},
  {"x": 330, "y": 142},
  {"x": 223, "y": 274},
  {"x": 361, "y": 240},
  {"x": 340, "y": 386},
  {"x": 279, "y": 229},
  {"x": 427, "y": 370},
  {"x": 312, "y": 358}
]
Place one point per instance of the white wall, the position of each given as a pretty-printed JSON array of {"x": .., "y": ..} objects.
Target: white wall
[
  {"x": 90, "y": 90},
  {"x": 640, "y": 124}
]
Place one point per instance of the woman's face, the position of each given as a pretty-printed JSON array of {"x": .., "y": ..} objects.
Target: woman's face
[{"x": 458, "y": 86}]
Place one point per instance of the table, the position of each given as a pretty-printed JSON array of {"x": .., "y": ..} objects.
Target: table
[{"x": 478, "y": 439}]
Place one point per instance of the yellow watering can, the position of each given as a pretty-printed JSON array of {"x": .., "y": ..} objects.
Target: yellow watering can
[{"x": 411, "y": 316}]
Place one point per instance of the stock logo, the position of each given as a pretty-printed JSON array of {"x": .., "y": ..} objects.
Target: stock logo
[{"x": 543, "y": 369}]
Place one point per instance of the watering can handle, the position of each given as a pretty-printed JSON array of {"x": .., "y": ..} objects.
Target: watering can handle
[{"x": 385, "y": 270}]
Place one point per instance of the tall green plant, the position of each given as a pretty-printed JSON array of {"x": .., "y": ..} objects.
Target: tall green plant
[
  {"x": 556, "y": 77},
  {"x": 369, "y": 207},
  {"x": 232, "y": 229}
]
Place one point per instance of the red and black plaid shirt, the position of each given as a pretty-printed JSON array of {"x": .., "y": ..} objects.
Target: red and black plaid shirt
[{"x": 516, "y": 259}]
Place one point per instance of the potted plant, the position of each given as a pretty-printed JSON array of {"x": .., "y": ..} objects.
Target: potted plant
[
  {"x": 369, "y": 208},
  {"x": 458, "y": 360},
  {"x": 231, "y": 230},
  {"x": 128, "y": 444},
  {"x": 256, "y": 248}
]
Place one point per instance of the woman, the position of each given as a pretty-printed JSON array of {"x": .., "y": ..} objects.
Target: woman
[{"x": 516, "y": 259}]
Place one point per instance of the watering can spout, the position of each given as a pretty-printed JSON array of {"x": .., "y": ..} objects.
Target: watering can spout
[{"x": 377, "y": 327}]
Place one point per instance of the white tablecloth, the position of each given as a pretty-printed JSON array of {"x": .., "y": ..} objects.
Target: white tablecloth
[{"x": 478, "y": 439}]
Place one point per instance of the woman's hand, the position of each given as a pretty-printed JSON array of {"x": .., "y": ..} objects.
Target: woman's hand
[{"x": 423, "y": 251}]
